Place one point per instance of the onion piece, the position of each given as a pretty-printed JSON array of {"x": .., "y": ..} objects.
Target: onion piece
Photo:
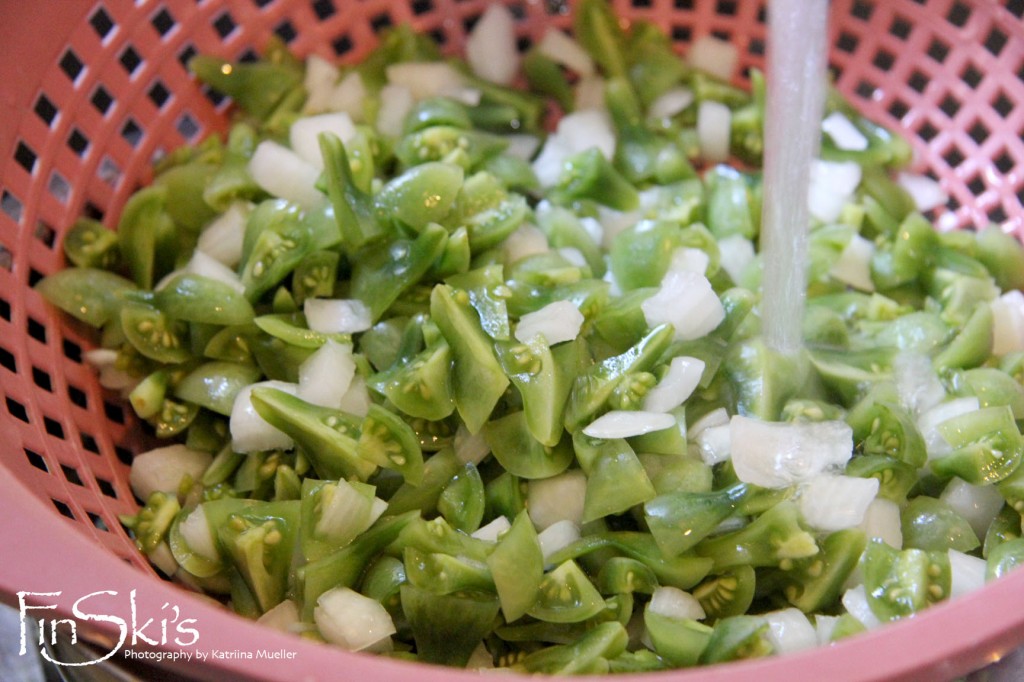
[
  {"x": 556, "y": 322},
  {"x": 207, "y": 266},
  {"x": 671, "y": 102},
  {"x": 493, "y": 530},
  {"x": 470, "y": 448},
  {"x": 222, "y": 238},
  {"x": 843, "y": 133},
  {"x": 527, "y": 240},
  {"x": 357, "y": 399},
  {"x": 918, "y": 385},
  {"x": 687, "y": 301},
  {"x": 673, "y": 602},
  {"x": 164, "y": 469},
  {"x": 714, "y": 121},
  {"x": 395, "y": 103},
  {"x": 832, "y": 503},
  {"x": 426, "y": 79},
  {"x": 560, "y": 48},
  {"x": 337, "y": 315},
  {"x": 195, "y": 530},
  {"x": 676, "y": 386},
  {"x": 249, "y": 431},
  {"x": 882, "y": 520},
  {"x": 283, "y": 617},
  {"x": 928, "y": 423},
  {"x": 777, "y": 454},
  {"x": 352, "y": 621},
  {"x": 522, "y": 145},
  {"x": 319, "y": 80},
  {"x": 557, "y": 536},
  {"x": 576, "y": 132},
  {"x": 714, "y": 56},
  {"x": 926, "y": 192},
  {"x": 589, "y": 94},
  {"x": 349, "y": 96},
  {"x": 491, "y": 46},
  {"x": 832, "y": 187},
  {"x": 326, "y": 375},
  {"x": 967, "y": 573},
  {"x": 628, "y": 423},
  {"x": 714, "y": 444},
  {"x": 978, "y": 504},
  {"x": 855, "y": 600},
  {"x": 558, "y": 498},
  {"x": 689, "y": 259},
  {"x": 736, "y": 253},
  {"x": 304, "y": 131},
  {"x": 789, "y": 631},
  {"x": 1008, "y": 323},
  {"x": 285, "y": 174},
  {"x": 854, "y": 264}
]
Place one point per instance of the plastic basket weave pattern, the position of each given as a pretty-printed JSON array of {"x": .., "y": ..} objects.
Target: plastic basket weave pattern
[{"x": 93, "y": 92}]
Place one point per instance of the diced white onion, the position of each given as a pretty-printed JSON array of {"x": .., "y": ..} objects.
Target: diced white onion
[
  {"x": 527, "y": 240},
  {"x": 558, "y": 536},
  {"x": 337, "y": 315},
  {"x": 676, "y": 386},
  {"x": 556, "y": 322},
  {"x": 470, "y": 448},
  {"x": 593, "y": 228},
  {"x": 304, "y": 131},
  {"x": 560, "y": 48},
  {"x": 967, "y": 573},
  {"x": 285, "y": 174},
  {"x": 207, "y": 266},
  {"x": 325, "y": 376},
  {"x": 673, "y": 602},
  {"x": 589, "y": 93},
  {"x": 714, "y": 444},
  {"x": 928, "y": 423},
  {"x": 319, "y": 80},
  {"x": 831, "y": 502},
  {"x": 576, "y": 132},
  {"x": 926, "y": 193},
  {"x": 357, "y": 399},
  {"x": 491, "y": 46},
  {"x": 492, "y": 530},
  {"x": 854, "y": 264},
  {"x": 522, "y": 145},
  {"x": 823, "y": 627},
  {"x": 789, "y": 631},
  {"x": 480, "y": 659},
  {"x": 882, "y": 520},
  {"x": 283, "y": 617},
  {"x": 395, "y": 103},
  {"x": 558, "y": 498},
  {"x": 855, "y": 600},
  {"x": 613, "y": 222},
  {"x": 163, "y": 469},
  {"x": 345, "y": 512},
  {"x": 195, "y": 530},
  {"x": 352, "y": 621},
  {"x": 714, "y": 121},
  {"x": 832, "y": 187},
  {"x": 222, "y": 238},
  {"x": 716, "y": 417},
  {"x": 162, "y": 557},
  {"x": 348, "y": 96},
  {"x": 426, "y": 79},
  {"x": 714, "y": 56},
  {"x": 104, "y": 361},
  {"x": 628, "y": 423},
  {"x": 736, "y": 253},
  {"x": 687, "y": 302},
  {"x": 689, "y": 259},
  {"x": 978, "y": 504},
  {"x": 1008, "y": 323},
  {"x": 573, "y": 255},
  {"x": 776, "y": 454},
  {"x": 919, "y": 386},
  {"x": 671, "y": 102},
  {"x": 249, "y": 431},
  {"x": 844, "y": 134}
]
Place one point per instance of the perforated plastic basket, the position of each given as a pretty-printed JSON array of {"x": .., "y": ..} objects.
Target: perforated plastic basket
[{"x": 92, "y": 92}]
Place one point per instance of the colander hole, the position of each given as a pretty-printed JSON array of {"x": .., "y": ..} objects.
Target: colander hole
[
  {"x": 978, "y": 132},
  {"x": 158, "y": 94},
  {"x": 958, "y": 14},
  {"x": 78, "y": 142},
  {"x": 45, "y": 234},
  {"x": 995, "y": 41},
  {"x": 36, "y": 460},
  {"x": 324, "y": 9},
  {"x": 77, "y": 397},
  {"x": 109, "y": 171},
  {"x": 757, "y": 47},
  {"x": 938, "y": 50},
  {"x": 1002, "y": 104},
  {"x": 59, "y": 188},
  {"x": 187, "y": 126},
  {"x": 883, "y": 60},
  {"x": 1016, "y": 8},
  {"x": 98, "y": 522},
  {"x": 114, "y": 413},
  {"x": 163, "y": 22},
  {"x": 101, "y": 100},
  {"x": 898, "y": 109},
  {"x": 682, "y": 33},
  {"x": 186, "y": 55},
  {"x": 380, "y": 22},
  {"x": 7, "y": 361},
  {"x": 726, "y": 8},
  {"x": 418, "y": 6},
  {"x": 71, "y": 65},
  {"x": 53, "y": 428},
  {"x": 918, "y": 81},
  {"x": 16, "y": 409},
  {"x": 262, "y": 3},
  {"x": 224, "y": 25},
  {"x": 997, "y": 214},
  {"x": 63, "y": 509},
  {"x": 286, "y": 31},
  {"x": 130, "y": 60},
  {"x": 91, "y": 210},
  {"x": 71, "y": 474},
  {"x": 866, "y": 90},
  {"x": 131, "y": 133},
  {"x": 341, "y": 45},
  {"x": 684, "y": 5},
  {"x": 1004, "y": 162},
  {"x": 11, "y": 206},
  {"x": 7, "y": 263},
  {"x": 89, "y": 443},
  {"x": 25, "y": 157},
  {"x": 971, "y": 76},
  {"x": 106, "y": 488},
  {"x": 900, "y": 28},
  {"x": 72, "y": 351},
  {"x": 101, "y": 22},
  {"x": 847, "y": 42},
  {"x": 35, "y": 328},
  {"x": 953, "y": 157},
  {"x": 124, "y": 455},
  {"x": 927, "y": 131},
  {"x": 45, "y": 110},
  {"x": 976, "y": 185},
  {"x": 862, "y": 10},
  {"x": 42, "y": 380}
]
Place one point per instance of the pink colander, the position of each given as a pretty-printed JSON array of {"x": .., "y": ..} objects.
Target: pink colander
[{"x": 92, "y": 92}]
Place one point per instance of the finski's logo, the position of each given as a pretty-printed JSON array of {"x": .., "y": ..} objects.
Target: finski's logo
[{"x": 167, "y": 628}]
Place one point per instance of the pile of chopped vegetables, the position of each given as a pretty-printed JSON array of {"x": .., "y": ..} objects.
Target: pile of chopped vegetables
[{"x": 448, "y": 386}]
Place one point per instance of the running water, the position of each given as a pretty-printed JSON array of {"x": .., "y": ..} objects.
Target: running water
[{"x": 795, "y": 98}]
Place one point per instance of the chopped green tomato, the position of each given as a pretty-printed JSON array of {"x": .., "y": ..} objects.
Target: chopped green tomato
[
  {"x": 520, "y": 454},
  {"x": 462, "y": 501},
  {"x": 447, "y": 628},
  {"x": 728, "y": 593},
  {"x": 90, "y": 295},
  {"x": 680, "y": 520},
  {"x": 566, "y": 595},
  {"x": 214, "y": 385},
  {"x": 901, "y": 583},
  {"x": 88, "y": 244},
  {"x": 517, "y": 567}
]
